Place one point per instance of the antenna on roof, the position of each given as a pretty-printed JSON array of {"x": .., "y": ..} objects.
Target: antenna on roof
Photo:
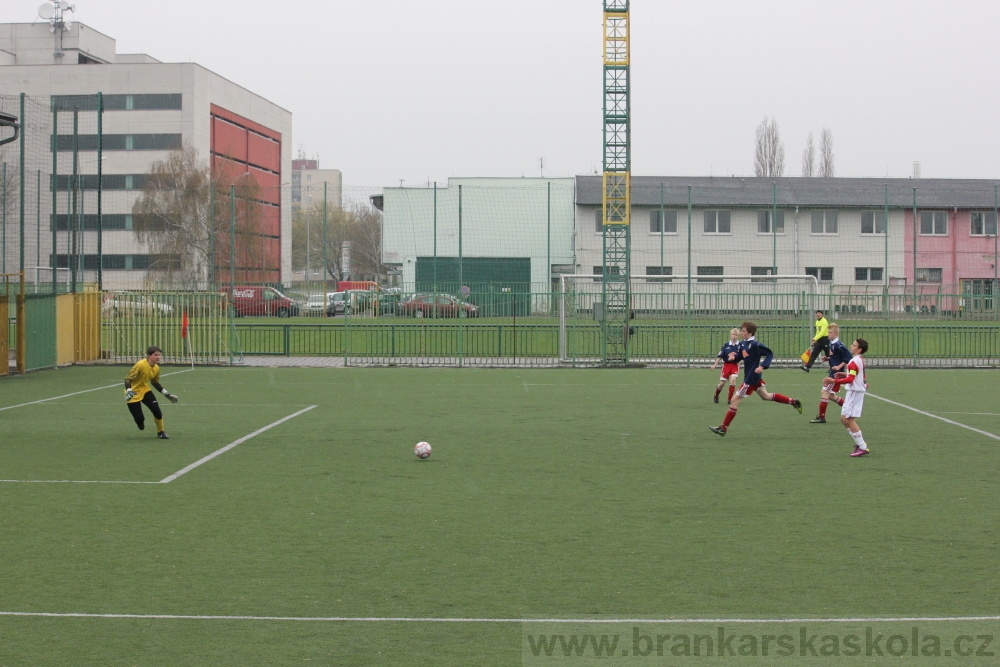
[{"x": 55, "y": 13}]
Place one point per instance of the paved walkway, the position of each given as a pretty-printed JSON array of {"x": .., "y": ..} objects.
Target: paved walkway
[{"x": 296, "y": 362}]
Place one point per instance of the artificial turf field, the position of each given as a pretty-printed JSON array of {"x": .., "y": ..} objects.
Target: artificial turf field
[{"x": 551, "y": 494}]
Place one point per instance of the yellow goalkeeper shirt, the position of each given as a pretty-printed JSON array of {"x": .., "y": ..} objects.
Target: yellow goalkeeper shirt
[{"x": 140, "y": 377}]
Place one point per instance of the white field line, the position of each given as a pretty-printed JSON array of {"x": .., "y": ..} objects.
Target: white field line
[
  {"x": 77, "y": 393},
  {"x": 166, "y": 480},
  {"x": 234, "y": 443},
  {"x": 408, "y": 619},
  {"x": 934, "y": 416}
]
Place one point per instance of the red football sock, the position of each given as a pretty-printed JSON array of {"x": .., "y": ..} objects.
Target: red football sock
[
  {"x": 730, "y": 416},
  {"x": 838, "y": 400},
  {"x": 781, "y": 398},
  {"x": 732, "y": 390},
  {"x": 717, "y": 390},
  {"x": 822, "y": 408}
]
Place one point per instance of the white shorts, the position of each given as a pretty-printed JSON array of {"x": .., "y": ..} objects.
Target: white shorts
[{"x": 853, "y": 402}]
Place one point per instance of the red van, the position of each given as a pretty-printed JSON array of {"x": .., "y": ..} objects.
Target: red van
[{"x": 265, "y": 301}]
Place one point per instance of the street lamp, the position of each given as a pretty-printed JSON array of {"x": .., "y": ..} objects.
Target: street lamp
[{"x": 308, "y": 225}]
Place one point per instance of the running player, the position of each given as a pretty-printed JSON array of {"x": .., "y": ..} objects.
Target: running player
[
  {"x": 146, "y": 372},
  {"x": 839, "y": 357},
  {"x": 730, "y": 355},
  {"x": 756, "y": 358}
]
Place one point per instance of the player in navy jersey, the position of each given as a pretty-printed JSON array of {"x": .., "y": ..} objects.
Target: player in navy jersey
[
  {"x": 730, "y": 355},
  {"x": 756, "y": 358},
  {"x": 839, "y": 357}
]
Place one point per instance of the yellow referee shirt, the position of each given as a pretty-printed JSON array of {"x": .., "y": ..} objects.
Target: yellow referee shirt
[
  {"x": 141, "y": 375},
  {"x": 822, "y": 329}
]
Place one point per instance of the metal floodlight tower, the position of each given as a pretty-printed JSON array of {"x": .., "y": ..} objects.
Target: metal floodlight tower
[
  {"x": 7, "y": 120},
  {"x": 616, "y": 198}
]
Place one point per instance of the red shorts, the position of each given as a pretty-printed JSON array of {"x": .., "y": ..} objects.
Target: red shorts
[
  {"x": 729, "y": 369},
  {"x": 747, "y": 389}
]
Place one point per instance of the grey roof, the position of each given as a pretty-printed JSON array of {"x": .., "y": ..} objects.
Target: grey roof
[{"x": 798, "y": 192}]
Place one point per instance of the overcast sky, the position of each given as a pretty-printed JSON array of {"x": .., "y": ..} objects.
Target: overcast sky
[{"x": 421, "y": 90}]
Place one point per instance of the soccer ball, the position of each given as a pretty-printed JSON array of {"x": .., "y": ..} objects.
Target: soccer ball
[{"x": 422, "y": 450}]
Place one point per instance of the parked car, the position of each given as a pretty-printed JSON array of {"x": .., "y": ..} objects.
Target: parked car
[
  {"x": 331, "y": 302},
  {"x": 367, "y": 301},
  {"x": 437, "y": 305},
  {"x": 314, "y": 305},
  {"x": 129, "y": 304},
  {"x": 256, "y": 300},
  {"x": 335, "y": 304}
]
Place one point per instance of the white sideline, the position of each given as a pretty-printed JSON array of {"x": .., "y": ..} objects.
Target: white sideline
[
  {"x": 234, "y": 443},
  {"x": 85, "y": 391},
  {"x": 934, "y": 416},
  {"x": 408, "y": 619}
]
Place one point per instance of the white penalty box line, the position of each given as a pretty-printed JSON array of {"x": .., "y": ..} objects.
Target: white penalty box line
[
  {"x": 430, "y": 619},
  {"x": 77, "y": 393},
  {"x": 182, "y": 471}
]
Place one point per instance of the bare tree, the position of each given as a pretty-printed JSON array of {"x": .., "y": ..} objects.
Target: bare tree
[
  {"x": 360, "y": 224},
  {"x": 826, "y": 168},
  {"x": 769, "y": 156},
  {"x": 809, "y": 158},
  {"x": 183, "y": 217}
]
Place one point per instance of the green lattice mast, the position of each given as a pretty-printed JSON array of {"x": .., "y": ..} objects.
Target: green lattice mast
[{"x": 617, "y": 198}]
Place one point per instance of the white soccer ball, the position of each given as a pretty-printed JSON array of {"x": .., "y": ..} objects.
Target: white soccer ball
[{"x": 422, "y": 450}]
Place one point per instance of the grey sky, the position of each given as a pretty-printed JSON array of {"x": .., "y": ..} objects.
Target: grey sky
[{"x": 418, "y": 90}]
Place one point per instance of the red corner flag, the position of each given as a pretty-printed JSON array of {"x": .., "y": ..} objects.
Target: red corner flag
[{"x": 184, "y": 325}]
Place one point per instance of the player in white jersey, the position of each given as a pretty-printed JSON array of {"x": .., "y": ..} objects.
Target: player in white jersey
[{"x": 857, "y": 385}]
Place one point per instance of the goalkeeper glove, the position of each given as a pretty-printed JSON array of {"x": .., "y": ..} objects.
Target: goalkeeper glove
[
  {"x": 129, "y": 395},
  {"x": 172, "y": 398}
]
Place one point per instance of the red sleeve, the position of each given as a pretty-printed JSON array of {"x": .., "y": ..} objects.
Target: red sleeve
[{"x": 850, "y": 378}]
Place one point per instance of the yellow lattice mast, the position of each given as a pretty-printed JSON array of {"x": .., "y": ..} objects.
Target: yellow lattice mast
[{"x": 616, "y": 196}]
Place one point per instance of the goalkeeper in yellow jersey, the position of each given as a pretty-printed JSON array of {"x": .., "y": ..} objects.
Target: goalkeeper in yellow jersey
[{"x": 139, "y": 385}]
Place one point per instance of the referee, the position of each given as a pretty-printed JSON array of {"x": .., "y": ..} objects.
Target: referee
[{"x": 821, "y": 341}]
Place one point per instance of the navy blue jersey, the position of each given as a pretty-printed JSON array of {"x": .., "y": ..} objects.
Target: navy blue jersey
[
  {"x": 730, "y": 348},
  {"x": 754, "y": 354},
  {"x": 839, "y": 354}
]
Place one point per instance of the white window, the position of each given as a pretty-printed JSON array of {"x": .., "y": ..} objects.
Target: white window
[
  {"x": 710, "y": 271},
  {"x": 764, "y": 222},
  {"x": 762, "y": 271},
  {"x": 599, "y": 219},
  {"x": 984, "y": 223},
  {"x": 928, "y": 275},
  {"x": 717, "y": 221},
  {"x": 669, "y": 217},
  {"x": 873, "y": 222},
  {"x": 824, "y": 222},
  {"x": 822, "y": 273},
  {"x": 659, "y": 271},
  {"x": 868, "y": 274},
  {"x": 934, "y": 223}
]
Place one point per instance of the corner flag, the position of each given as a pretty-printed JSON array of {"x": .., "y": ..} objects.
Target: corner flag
[{"x": 184, "y": 336}]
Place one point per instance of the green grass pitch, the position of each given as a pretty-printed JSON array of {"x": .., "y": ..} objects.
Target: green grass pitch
[{"x": 551, "y": 494}]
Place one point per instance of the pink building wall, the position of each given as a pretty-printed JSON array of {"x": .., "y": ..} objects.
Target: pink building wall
[{"x": 959, "y": 255}]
